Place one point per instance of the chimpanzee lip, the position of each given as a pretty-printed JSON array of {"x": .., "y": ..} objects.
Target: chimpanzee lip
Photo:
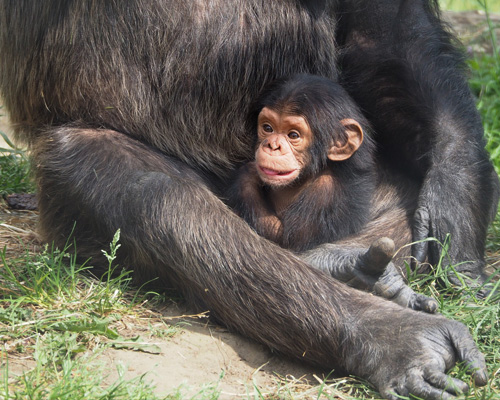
[{"x": 272, "y": 172}]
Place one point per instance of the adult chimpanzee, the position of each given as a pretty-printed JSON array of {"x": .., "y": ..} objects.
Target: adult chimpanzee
[
  {"x": 135, "y": 113},
  {"x": 313, "y": 181}
]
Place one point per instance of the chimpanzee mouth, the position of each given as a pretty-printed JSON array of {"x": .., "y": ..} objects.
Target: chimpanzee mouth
[{"x": 272, "y": 172}]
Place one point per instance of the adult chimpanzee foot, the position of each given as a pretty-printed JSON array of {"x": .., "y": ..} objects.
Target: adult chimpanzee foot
[
  {"x": 466, "y": 245},
  {"x": 489, "y": 290},
  {"x": 480, "y": 285}
]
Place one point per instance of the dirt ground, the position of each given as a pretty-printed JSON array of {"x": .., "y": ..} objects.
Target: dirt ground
[
  {"x": 200, "y": 352},
  {"x": 472, "y": 29}
]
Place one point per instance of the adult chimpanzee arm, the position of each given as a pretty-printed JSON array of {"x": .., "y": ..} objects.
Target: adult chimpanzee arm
[
  {"x": 173, "y": 227},
  {"x": 402, "y": 68}
]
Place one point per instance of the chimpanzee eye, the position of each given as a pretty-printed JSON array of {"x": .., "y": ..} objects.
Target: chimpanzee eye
[
  {"x": 293, "y": 135},
  {"x": 267, "y": 128}
]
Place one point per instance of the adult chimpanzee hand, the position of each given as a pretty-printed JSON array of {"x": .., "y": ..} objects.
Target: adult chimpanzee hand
[
  {"x": 417, "y": 365},
  {"x": 370, "y": 270}
]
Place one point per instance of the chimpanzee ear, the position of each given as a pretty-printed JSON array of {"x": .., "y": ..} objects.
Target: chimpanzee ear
[{"x": 342, "y": 151}]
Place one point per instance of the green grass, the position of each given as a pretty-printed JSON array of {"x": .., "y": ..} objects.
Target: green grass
[
  {"x": 482, "y": 317},
  {"x": 59, "y": 375},
  {"x": 52, "y": 310},
  {"x": 15, "y": 167},
  {"x": 485, "y": 83}
]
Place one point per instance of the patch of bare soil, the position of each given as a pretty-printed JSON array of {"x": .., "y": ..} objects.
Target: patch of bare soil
[
  {"x": 17, "y": 230},
  {"x": 201, "y": 351},
  {"x": 472, "y": 29}
]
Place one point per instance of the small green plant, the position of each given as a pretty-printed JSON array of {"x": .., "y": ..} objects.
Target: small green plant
[
  {"x": 70, "y": 378},
  {"x": 15, "y": 167},
  {"x": 15, "y": 176}
]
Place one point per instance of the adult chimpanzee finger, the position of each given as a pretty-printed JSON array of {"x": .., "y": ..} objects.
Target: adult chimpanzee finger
[
  {"x": 389, "y": 393},
  {"x": 420, "y": 388},
  {"x": 468, "y": 353},
  {"x": 431, "y": 384},
  {"x": 439, "y": 379},
  {"x": 420, "y": 232},
  {"x": 424, "y": 303}
]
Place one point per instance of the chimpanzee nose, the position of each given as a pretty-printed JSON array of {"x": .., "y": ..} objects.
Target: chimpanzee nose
[{"x": 274, "y": 144}]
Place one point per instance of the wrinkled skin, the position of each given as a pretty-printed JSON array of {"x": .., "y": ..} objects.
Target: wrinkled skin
[{"x": 134, "y": 111}]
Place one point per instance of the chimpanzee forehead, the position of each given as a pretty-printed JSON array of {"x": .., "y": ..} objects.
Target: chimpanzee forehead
[{"x": 283, "y": 118}]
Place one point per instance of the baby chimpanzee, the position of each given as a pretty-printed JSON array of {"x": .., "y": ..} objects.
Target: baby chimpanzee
[{"x": 313, "y": 176}]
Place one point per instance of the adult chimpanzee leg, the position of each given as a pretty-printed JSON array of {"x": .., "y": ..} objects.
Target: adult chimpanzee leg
[
  {"x": 403, "y": 70},
  {"x": 174, "y": 227}
]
